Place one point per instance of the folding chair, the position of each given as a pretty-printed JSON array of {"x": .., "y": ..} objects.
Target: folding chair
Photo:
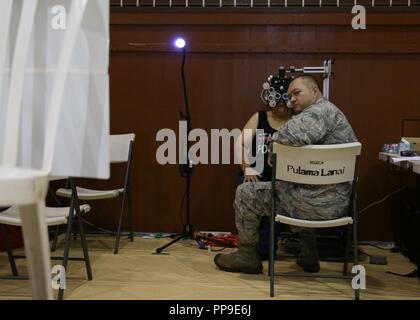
[
  {"x": 121, "y": 148},
  {"x": 318, "y": 165},
  {"x": 27, "y": 187},
  {"x": 54, "y": 216}
]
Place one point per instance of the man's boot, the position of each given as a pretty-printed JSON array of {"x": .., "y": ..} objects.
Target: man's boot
[
  {"x": 292, "y": 246},
  {"x": 245, "y": 260},
  {"x": 308, "y": 257}
]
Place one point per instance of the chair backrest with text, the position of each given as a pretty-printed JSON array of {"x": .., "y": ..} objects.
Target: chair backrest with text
[{"x": 317, "y": 164}]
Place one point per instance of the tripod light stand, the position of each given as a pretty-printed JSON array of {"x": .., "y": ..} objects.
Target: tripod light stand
[{"x": 185, "y": 169}]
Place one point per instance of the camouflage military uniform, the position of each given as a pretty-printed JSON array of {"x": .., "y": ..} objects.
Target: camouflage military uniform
[{"x": 321, "y": 123}]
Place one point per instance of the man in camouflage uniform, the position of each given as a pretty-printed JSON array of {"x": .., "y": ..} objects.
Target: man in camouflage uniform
[{"x": 317, "y": 121}]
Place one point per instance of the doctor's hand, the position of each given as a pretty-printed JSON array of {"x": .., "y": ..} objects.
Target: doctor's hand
[
  {"x": 251, "y": 175},
  {"x": 250, "y": 178}
]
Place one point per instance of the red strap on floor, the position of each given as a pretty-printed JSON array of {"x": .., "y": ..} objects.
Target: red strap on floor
[{"x": 230, "y": 241}]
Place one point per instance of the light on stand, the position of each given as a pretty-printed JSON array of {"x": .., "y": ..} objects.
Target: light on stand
[
  {"x": 180, "y": 43},
  {"x": 186, "y": 168}
]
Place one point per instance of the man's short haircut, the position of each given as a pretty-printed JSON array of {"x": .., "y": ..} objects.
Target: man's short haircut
[{"x": 309, "y": 81}]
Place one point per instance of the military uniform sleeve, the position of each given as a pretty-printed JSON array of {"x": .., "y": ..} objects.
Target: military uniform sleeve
[{"x": 305, "y": 128}]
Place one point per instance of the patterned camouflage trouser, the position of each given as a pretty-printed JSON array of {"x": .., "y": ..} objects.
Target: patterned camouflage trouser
[{"x": 253, "y": 200}]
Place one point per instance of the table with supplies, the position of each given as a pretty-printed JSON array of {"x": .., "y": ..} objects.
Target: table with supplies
[{"x": 407, "y": 228}]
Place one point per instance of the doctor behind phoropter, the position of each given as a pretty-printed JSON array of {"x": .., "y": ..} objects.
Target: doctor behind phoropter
[{"x": 253, "y": 145}]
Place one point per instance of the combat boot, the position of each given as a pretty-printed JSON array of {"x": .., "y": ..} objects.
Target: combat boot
[
  {"x": 308, "y": 258},
  {"x": 245, "y": 260},
  {"x": 292, "y": 246}
]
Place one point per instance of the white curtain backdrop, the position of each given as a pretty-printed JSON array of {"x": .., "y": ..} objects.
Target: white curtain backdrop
[{"x": 82, "y": 143}]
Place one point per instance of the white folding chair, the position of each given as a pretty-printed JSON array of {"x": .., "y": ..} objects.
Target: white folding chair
[
  {"x": 26, "y": 188},
  {"x": 121, "y": 148},
  {"x": 55, "y": 216},
  {"x": 318, "y": 165}
]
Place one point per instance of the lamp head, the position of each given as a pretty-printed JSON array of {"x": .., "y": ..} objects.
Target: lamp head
[{"x": 180, "y": 43}]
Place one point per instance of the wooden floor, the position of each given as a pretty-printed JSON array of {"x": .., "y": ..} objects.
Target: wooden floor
[{"x": 187, "y": 272}]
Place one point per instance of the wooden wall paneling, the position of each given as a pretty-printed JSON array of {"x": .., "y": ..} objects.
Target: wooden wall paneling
[{"x": 229, "y": 56}]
